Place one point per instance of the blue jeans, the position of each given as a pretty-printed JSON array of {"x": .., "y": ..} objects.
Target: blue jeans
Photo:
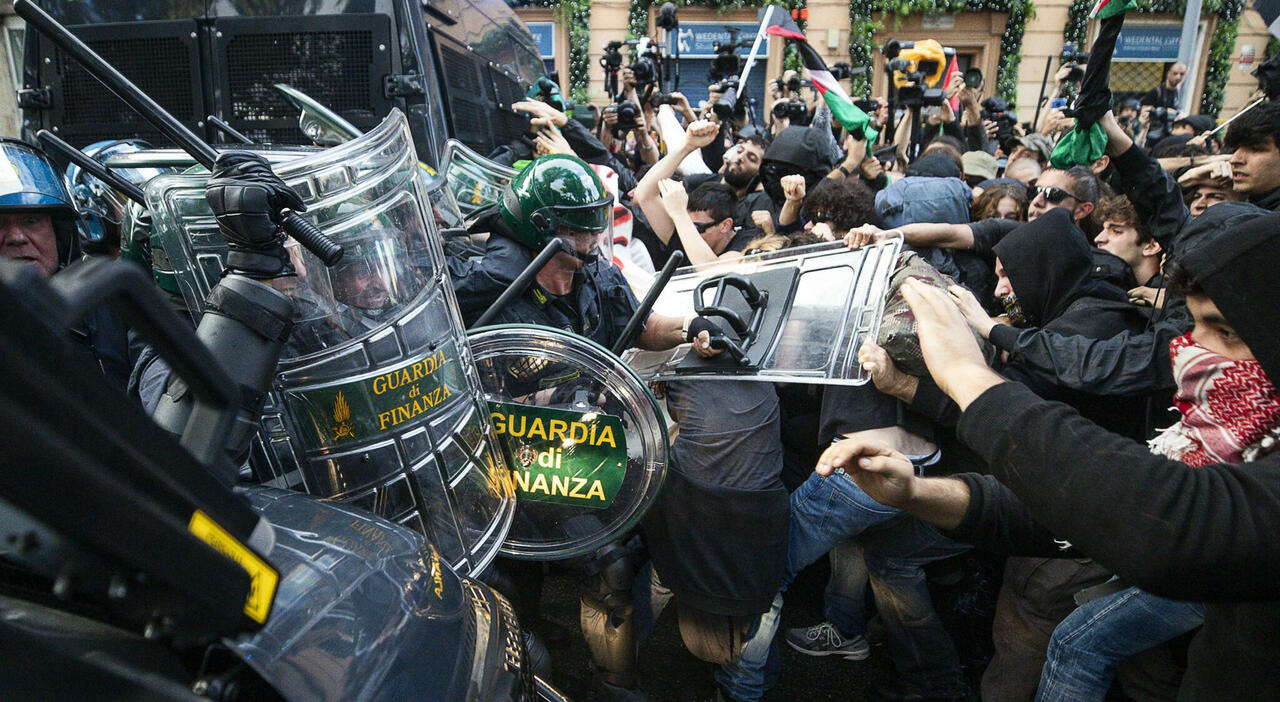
[
  {"x": 825, "y": 512},
  {"x": 1091, "y": 643}
]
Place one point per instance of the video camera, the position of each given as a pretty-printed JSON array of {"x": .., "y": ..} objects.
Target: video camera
[
  {"x": 1071, "y": 56},
  {"x": 917, "y": 70},
  {"x": 727, "y": 63}
]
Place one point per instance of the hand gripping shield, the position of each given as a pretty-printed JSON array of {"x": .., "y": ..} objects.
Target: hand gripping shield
[{"x": 376, "y": 401}]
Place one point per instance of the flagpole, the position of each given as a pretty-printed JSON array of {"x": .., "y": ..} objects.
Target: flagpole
[{"x": 755, "y": 46}]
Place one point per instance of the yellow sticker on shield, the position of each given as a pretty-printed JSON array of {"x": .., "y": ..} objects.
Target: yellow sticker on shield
[{"x": 262, "y": 577}]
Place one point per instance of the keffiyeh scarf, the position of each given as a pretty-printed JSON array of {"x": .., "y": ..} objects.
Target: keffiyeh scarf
[{"x": 1230, "y": 410}]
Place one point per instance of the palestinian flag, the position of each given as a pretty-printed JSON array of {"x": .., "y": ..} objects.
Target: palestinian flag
[
  {"x": 854, "y": 121},
  {"x": 1103, "y": 9}
]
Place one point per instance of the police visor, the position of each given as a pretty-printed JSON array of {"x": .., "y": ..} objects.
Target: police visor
[{"x": 595, "y": 217}]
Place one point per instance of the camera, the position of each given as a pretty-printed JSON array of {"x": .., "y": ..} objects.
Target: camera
[
  {"x": 727, "y": 62},
  {"x": 628, "y": 112},
  {"x": 612, "y": 59},
  {"x": 1000, "y": 112},
  {"x": 973, "y": 78},
  {"x": 659, "y": 99},
  {"x": 644, "y": 70},
  {"x": 795, "y": 111},
  {"x": 1076, "y": 59}
]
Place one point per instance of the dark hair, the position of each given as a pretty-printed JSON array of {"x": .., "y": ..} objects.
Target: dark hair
[
  {"x": 1179, "y": 149},
  {"x": 1119, "y": 209},
  {"x": 803, "y": 238},
  {"x": 988, "y": 203},
  {"x": 847, "y": 203},
  {"x": 948, "y": 145},
  {"x": 1256, "y": 128},
  {"x": 1179, "y": 279},
  {"x": 716, "y": 199},
  {"x": 1086, "y": 183}
]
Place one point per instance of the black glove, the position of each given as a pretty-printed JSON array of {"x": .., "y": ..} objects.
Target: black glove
[
  {"x": 700, "y": 324},
  {"x": 246, "y": 197}
]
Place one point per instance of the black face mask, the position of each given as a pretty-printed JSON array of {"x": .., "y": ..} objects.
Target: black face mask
[{"x": 772, "y": 172}]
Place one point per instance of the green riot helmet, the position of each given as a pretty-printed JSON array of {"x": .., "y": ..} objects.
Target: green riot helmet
[{"x": 555, "y": 191}]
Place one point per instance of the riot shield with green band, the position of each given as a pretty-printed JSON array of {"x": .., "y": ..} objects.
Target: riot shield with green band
[
  {"x": 474, "y": 181},
  {"x": 376, "y": 401},
  {"x": 796, "y": 315},
  {"x": 582, "y": 433}
]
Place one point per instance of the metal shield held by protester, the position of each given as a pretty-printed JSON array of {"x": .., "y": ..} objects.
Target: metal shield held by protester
[
  {"x": 581, "y": 432},
  {"x": 376, "y": 401},
  {"x": 796, "y": 315}
]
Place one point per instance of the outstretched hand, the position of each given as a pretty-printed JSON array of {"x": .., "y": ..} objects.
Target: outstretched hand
[
  {"x": 884, "y": 474},
  {"x": 951, "y": 353}
]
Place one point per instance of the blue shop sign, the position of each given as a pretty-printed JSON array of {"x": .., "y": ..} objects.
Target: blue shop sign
[
  {"x": 699, "y": 39},
  {"x": 544, "y": 34},
  {"x": 1139, "y": 43}
]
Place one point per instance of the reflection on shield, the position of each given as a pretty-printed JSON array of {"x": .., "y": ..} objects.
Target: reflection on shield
[
  {"x": 473, "y": 181},
  {"x": 376, "y": 402},
  {"x": 797, "y": 315},
  {"x": 582, "y": 434}
]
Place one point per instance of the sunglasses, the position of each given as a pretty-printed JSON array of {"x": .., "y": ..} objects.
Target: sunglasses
[
  {"x": 704, "y": 226},
  {"x": 1051, "y": 194},
  {"x": 819, "y": 217}
]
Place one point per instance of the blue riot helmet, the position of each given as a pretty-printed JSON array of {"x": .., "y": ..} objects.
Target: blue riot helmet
[
  {"x": 30, "y": 182},
  {"x": 102, "y": 208}
]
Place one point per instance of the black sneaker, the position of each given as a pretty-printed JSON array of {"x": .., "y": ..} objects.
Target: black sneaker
[{"x": 825, "y": 640}]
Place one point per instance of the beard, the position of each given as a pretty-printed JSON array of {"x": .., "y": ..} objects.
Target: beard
[{"x": 737, "y": 179}]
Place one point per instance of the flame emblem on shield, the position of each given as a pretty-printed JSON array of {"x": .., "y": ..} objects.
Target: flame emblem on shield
[
  {"x": 526, "y": 455},
  {"x": 342, "y": 428}
]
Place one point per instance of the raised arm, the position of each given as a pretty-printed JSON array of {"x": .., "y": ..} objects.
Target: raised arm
[{"x": 649, "y": 197}]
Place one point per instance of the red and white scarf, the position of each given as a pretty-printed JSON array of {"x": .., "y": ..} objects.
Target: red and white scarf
[{"x": 1230, "y": 410}]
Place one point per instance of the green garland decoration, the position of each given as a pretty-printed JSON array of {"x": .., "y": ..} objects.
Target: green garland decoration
[
  {"x": 862, "y": 29},
  {"x": 576, "y": 15},
  {"x": 1218, "y": 66}
]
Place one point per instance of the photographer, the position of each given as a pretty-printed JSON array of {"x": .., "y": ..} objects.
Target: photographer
[
  {"x": 1160, "y": 106},
  {"x": 626, "y": 117},
  {"x": 547, "y": 126},
  {"x": 1069, "y": 73}
]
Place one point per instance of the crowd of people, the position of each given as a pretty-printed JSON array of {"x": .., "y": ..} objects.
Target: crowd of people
[
  {"x": 1060, "y": 310},
  {"x": 1097, "y": 377}
]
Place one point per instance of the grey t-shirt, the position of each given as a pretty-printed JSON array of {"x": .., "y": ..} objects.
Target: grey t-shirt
[{"x": 729, "y": 432}]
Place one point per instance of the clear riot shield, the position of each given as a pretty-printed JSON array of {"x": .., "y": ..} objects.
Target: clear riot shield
[
  {"x": 583, "y": 435},
  {"x": 376, "y": 402},
  {"x": 472, "y": 180},
  {"x": 795, "y": 315}
]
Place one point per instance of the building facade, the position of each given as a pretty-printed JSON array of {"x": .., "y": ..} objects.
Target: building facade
[{"x": 985, "y": 34}]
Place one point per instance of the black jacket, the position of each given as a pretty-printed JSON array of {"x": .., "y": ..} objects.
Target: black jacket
[
  {"x": 1202, "y": 534},
  {"x": 1133, "y": 361}
]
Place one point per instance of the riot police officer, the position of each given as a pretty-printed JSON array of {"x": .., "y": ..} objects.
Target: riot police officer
[
  {"x": 581, "y": 291},
  {"x": 40, "y": 226}
]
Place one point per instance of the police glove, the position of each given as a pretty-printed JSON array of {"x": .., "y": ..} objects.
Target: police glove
[
  {"x": 699, "y": 324},
  {"x": 247, "y": 197}
]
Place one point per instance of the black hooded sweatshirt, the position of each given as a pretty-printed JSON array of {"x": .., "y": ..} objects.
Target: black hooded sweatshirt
[
  {"x": 1199, "y": 534},
  {"x": 1050, "y": 267}
]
